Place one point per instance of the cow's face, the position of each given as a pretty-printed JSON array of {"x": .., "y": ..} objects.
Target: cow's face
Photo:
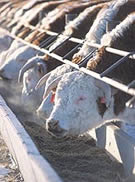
[
  {"x": 30, "y": 96},
  {"x": 77, "y": 105}
]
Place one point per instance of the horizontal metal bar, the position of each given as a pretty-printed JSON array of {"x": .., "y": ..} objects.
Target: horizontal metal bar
[
  {"x": 115, "y": 65},
  {"x": 59, "y": 45},
  {"x": 47, "y": 41},
  {"x": 76, "y": 40},
  {"x": 109, "y": 81},
  {"x": 72, "y": 51},
  {"x": 86, "y": 59},
  {"x": 51, "y": 41},
  {"x": 26, "y": 24}
]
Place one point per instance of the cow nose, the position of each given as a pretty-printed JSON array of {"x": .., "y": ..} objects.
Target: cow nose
[
  {"x": 1, "y": 71},
  {"x": 53, "y": 125}
]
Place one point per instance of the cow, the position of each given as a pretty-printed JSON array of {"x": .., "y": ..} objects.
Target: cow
[
  {"x": 82, "y": 102},
  {"x": 104, "y": 15},
  {"x": 55, "y": 19},
  {"x": 14, "y": 59},
  {"x": 33, "y": 66}
]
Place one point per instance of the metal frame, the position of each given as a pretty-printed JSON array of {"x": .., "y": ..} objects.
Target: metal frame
[
  {"x": 109, "y": 81},
  {"x": 52, "y": 37}
]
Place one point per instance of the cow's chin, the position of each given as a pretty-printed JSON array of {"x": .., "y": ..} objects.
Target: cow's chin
[{"x": 58, "y": 134}]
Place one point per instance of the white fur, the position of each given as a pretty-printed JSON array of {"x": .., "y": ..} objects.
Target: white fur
[
  {"x": 30, "y": 96},
  {"x": 28, "y": 15},
  {"x": 98, "y": 28},
  {"x": 60, "y": 70},
  {"x": 81, "y": 17},
  {"x": 5, "y": 40},
  {"x": 74, "y": 25},
  {"x": 119, "y": 30},
  {"x": 46, "y": 106},
  {"x": 49, "y": 17},
  {"x": 78, "y": 117},
  {"x": 14, "y": 62},
  {"x": 7, "y": 53}
]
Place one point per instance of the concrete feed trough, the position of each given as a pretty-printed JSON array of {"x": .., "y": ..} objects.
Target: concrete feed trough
[{"x": 32, "y": 165}]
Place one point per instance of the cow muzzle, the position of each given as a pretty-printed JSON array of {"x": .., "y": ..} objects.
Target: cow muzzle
[
  {"x": 54, "y": 129},
  {"x": 4, "y": 75}
]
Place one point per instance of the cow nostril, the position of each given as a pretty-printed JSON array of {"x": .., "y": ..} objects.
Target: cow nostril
[
  {"x": 53, "y": 124},
  {"x": 54, "y": 128},
  {"x": 1, "y": 70}
]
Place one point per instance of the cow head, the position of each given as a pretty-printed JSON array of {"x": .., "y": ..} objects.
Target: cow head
[
  {"x": 47, "y": 104},
  {"x": 31, "y": 73},
  {"x": 81, "y": 103}
]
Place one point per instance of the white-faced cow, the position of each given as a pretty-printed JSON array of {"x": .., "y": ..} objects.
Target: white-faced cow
[
  {"x": 82, "y": 102},
  {"x": 106, "y": 14}
]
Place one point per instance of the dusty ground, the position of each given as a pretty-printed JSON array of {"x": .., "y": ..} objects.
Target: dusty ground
[
  {"x": 76, "y": 159},
  {"x": 9, "y": 171}
]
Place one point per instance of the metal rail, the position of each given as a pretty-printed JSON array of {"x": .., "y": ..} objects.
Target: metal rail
[
  {"x": 80, "y": 41},
  {"x": 109, "y": 81},
  {"x": 77, "y": 40}
]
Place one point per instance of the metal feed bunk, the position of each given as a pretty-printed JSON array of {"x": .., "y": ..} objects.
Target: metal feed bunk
[{"x": 52, "y": 36}]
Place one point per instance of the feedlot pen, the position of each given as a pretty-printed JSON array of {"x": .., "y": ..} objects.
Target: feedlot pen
[{"x": 77, "y": 159}]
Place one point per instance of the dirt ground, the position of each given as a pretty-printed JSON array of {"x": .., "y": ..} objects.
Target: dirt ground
[
  {"x": 9, "y": 171},
  {"x": 74, "y": 159}
]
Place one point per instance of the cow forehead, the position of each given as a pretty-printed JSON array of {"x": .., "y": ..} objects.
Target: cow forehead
[
  {"x": 60, "y": 70},
  {"x": 73, "y": 85},
  {"x": 76, "y": 80}
]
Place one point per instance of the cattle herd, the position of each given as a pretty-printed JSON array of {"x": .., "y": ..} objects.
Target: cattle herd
[{"x": 69, "y": 101}]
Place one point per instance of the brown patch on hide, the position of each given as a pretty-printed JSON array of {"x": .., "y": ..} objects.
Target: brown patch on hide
[
  {"x": 96, "y": 60},
  {"x": 40, "y": 37},
  {"x": 77, "y": 59},
  {"x": 31, "y": 37},
  {"x": 45, "y": 57},
  {"x": 101, "y": 107},
  {"x": 24, "y": 33}
]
